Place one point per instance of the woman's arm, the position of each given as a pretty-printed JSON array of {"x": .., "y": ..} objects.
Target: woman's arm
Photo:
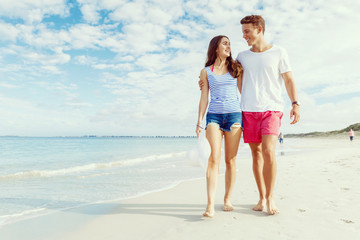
[{"x": 204, "y": 99}]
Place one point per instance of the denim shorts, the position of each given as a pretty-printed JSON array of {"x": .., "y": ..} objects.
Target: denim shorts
[{"x": 224, "y": 120}]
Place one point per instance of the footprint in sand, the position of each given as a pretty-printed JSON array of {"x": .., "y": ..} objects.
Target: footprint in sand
[{"x": 346, "y": 221}]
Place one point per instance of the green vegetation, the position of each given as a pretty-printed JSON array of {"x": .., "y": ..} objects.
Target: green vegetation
[{"x": 355, "y": 127}]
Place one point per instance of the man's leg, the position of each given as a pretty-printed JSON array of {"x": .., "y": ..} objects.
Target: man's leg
[
  {"x": 269, "y": 170},
  {"x": 258, "y": 165}
]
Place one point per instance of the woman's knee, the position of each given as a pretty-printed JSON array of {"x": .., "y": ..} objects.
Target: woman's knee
[{"x": 214, "y": 161}]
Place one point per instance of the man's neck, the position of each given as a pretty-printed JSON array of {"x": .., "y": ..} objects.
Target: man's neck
[{"x": 260, "y": 46}]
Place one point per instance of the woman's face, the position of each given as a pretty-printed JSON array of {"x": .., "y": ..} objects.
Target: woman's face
[{"x": 224, "y": 49}]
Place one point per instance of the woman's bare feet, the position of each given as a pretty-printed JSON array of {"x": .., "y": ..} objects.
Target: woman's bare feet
[
  {"x": 228, "y": 206},
  {"x": 260, "y": 206},
  {"x": 209, "y": 212},
  {"x": 271, "y": 208}
]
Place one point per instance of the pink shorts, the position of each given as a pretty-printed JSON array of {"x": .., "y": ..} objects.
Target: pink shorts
[{"x": 257, "y": 124}]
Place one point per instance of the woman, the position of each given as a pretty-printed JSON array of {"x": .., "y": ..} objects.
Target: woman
[
  {"x": 351, "y": 134},
  {"x": 222, "y": 75}
]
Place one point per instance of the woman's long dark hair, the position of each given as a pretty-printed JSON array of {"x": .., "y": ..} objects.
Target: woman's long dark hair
[{"x": 234, "y": 67}]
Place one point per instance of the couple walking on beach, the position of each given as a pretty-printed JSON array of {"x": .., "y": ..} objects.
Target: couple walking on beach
[{"x": 257, "y": 74}]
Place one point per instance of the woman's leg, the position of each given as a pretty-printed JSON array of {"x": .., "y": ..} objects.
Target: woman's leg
[
  {"x": 214, "y": 136},
  {"x": 232, "y": 140}
]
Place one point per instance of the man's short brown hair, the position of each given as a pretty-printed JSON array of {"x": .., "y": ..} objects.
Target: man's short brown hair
[{"x": 255, "y": 20}]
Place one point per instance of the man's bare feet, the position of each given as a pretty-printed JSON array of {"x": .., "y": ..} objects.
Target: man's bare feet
[
  {"x": 260, "y": 206},
  {"x": 209, "y": 212},
  {"x": 228, "y": 206},
  {"x": 271, "y": 208}
]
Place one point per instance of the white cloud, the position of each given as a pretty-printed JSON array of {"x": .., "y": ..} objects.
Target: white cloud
[
  {"x": 25, "y": 116},
  {"x": 8, "y": 32},
  {"x": 90, "y": 13},
  {"x": 122, "y": 67},
  {"x": 129, "y": 12},
  {"x": 103, "y": 4},
  {"x": 7, "y": 85},
  {"x": 323, "y": 117},
  {"x": 85, "y": 36},
  {"x": 51, "y": 69},
  {"x": 142, "y": 38},
  {"x": 33, "y": 11},
  {"x": 85, "y": 60},
  {"x": 343, "y": 87},
  {"x": 57, "y": 58},
  {"x": 40, "y": 36}
]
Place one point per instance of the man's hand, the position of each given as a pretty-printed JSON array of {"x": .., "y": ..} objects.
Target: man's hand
[
  {"x": 295, "y": 113},
  {"x": 201, "y": 83}
]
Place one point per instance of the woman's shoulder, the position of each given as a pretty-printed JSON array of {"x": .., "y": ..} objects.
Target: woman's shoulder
[{"x": 205, "y": 70}]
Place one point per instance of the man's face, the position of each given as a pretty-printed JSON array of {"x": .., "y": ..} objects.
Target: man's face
[{"x": 250, "y": 33}]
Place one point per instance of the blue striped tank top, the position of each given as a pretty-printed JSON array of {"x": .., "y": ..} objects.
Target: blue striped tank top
[{"x": 224, "y": 96}]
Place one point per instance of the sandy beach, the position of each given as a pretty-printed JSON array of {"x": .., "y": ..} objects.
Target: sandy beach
[{"x": 317, "y": 192}]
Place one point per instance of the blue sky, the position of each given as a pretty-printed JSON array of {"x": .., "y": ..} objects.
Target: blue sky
[{"x": 111, "y": 67}]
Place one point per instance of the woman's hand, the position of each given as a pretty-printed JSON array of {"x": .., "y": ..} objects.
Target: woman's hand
[{"x": 198, "y": 130}]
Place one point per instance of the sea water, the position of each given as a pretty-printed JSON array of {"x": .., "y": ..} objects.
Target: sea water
[{"x": 39, "y": 175}]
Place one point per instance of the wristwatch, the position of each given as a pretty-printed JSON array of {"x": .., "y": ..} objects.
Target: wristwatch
[{"x": 295, "y": 102}]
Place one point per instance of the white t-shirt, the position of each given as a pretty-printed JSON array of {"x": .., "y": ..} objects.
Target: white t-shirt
[{"x": 262, "y": 81}]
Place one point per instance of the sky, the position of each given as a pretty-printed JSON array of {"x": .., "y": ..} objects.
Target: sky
[{"x": 119, "y": 67}]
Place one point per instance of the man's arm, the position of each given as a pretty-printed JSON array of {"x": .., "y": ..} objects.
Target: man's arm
[
  {"x": 239, "y": 83},
  {"x": 291, "y": 91}
]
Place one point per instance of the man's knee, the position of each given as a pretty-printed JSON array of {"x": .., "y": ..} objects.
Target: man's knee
[
  {"x": 256, "y": 150},
  {"x": 230, "y": 161},
  {"x": 268, "y": 153}
]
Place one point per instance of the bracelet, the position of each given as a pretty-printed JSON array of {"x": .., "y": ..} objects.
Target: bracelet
[{"x": 199, "y": 126}]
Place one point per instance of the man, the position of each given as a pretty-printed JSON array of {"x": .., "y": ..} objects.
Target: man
[
  {"x": 281, "y": 138},
  {"x": 265, "y": 66}
]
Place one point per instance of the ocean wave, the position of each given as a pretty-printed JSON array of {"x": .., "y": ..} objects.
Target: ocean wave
[
  {"x": 87, "y": 167},
  {"x": 7, "y": 219}
]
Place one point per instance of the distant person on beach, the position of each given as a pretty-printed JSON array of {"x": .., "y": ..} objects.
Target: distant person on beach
[
  {"x": 265, "y": 67},
  {"x": 222, "y": 77},
  {"x": 351, "y": 134},
  {"x": 281, "y": 138}
]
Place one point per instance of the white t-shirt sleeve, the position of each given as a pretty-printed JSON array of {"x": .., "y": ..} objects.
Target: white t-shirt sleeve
[
  {"x": 238, "y": 57},
  {"x": 284, "y": 64}
]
